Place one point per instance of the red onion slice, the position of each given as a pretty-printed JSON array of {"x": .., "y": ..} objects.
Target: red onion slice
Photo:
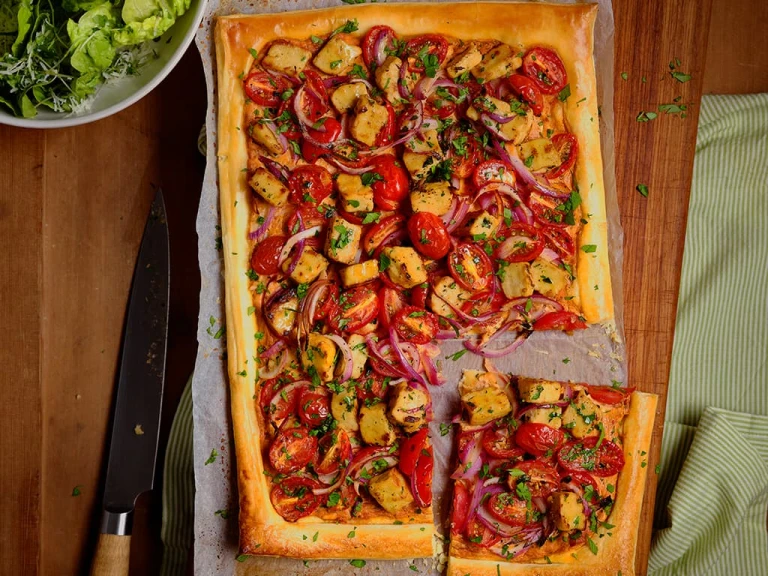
[
  {"x": 261, "y": 231},
  {"x": 402, "y": 83},
  {"x": 283, "y": 392},
  {"x": 551, "y": 256},
  {"x": 430, "y": 369},
  {"x": 274, "y": 349},
  {"x": 329, "y": 489},
  {"x": 295, "y": 239},
  {"x": 379, "y": 352},
  {"x": 272, "y": 127},
  {"x": 470, "y": 459},
  {"x": 481, "y": 351},
  {"x": 346, "y": 355},
  {"x": 334, "y": 81},
  {"x": 459, "y": 216},
  {"x": 496, "y": 526},
  {"x": 277, "y": 368},
  {"x": 348, "y": 169},
  {"x": 278, "y": 170},
  {"x": 399, "y": 349},
  {"x": 493, "y": 126},
  {"x": 528, "y": 178}
]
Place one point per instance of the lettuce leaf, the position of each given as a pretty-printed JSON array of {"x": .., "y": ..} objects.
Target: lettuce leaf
[
  {"x": 148, "y": 19},
  {"x": 24, "y": 18},
  {"x": 91, "y": 36}
]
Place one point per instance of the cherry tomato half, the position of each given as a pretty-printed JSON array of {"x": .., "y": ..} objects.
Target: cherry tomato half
[
  {"x": 423, "y": 48},
  {"x": 460, "y": 508},
  {"x": 311, "y": 152},
  {"x": 293, "y": 497},
  {"x": 582, "y": 456},
  {"x": 538, "y": 439},
  {"x": 528, "y": 91},
  {"x": 371, "y": 385},
  {"x": 410, "y": 449},
  {"x": 429, "y": 235},
  {"x": 508, "y": 508},
  {"x": 480, "y": 535},
  {"x": 470, "y": 266},
  {"x": 392, "y": 187},
  {"x": 284, "y": 404},
  {"x": 310, "y": 183},
  {"x": 584, "y": 481},
  {"x": 415, "y": 325},
  {"x": 335, "y": 450},
  {"x": 419, "y": 295},
  {"x": 422, "y": 477},
  {"x": 464, "y": 158},
  {"x": 492, "y": 171},
  {"x": 608, "y": 394},
  {"x": 265, "y": 89},
  {"x": 314, "y": 407},
  {"x": 292, "y": 449},
  {"x": 266, "y": 254},
  {"x": 545, "y": 68},
  {"x": 561, "y": 320},
  {"x": 568, "y": 147},
  {"x": 523, "y": 243},
  {"x": 499, "y": 442},
  {"x": 539, "y": 477},
  {"x": 385, "y": 37},
  {"x": 545, "y": 210},
  {"x": 559, "y": 240},
  {"x": 315, "y": 102},
  {"x": 357, "y": 307},
  {"x": 379, "y": 232},
  {"x": 391, "y": 301}
]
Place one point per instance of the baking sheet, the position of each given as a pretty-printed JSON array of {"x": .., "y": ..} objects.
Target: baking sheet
[{"x": 595, "y": 355}]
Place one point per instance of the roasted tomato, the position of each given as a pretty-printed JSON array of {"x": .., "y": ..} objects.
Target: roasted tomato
[
  {"x": 479, "y": 534},
  {"x": 293, "y": 497},
  {"x": 335, "y": 451},
  {"x": 470, "y": 266},
  {"x": 381, "y": 233},
  {"x": 278, "y": 406},
  {"x": 378, "y": 42},
  {"x": 266, "y": 254},
  {"x": 464, "y": 153},
  {"x": 422, "y": 477},
  {"x": 508, "y": 508},
  {"x": 547, "y": 211},
  {"x": 584, "y": 455},
  {"x": 410, "y": 450},
  {"x": 314, "y": 407},
  {"x": 559, "y": 240},
  {"x": 545, "y": 68},
  {"x": 493, "y": 171},
  {"x": 357, "y": 307},
  {"x": 527, "y": 89},
  {"x": 561, "y": 320},
  {"x": 584, "y": 483},
  {"x": 460, "y": 508},
  {"x": 264, "y": 89},
  {"x": 390, "y": 182},
  {"x": 523, "y": 243},
  {"x": 415, "y": 325},
  {"x": 372, "y": 385},
  {"x": 609, "y": 394},
  {"x": 331, "y": 129},
  {"x": 499, "y": 442},
  {"x": 391, "y": 301},
  {"x": 539, "y": 477},
  {"x": 426, "y": 51},
  {"x": 429, "y": 235},
  {"x": 310, "y": 183},
  {"x": 568, "y": 148},
  {"x": 419, "y": 295},
  {"x": 538, "y": 439},
  {"x": 292, "y": 449}
]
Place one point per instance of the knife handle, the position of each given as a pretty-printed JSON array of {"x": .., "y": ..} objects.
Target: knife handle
[{"x": 112, "y": 557}]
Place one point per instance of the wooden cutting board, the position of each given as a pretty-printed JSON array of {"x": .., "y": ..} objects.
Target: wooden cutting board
[{"x": 72, "y": 208}]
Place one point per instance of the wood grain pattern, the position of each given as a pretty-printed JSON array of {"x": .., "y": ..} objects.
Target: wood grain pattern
[
  {"x": 21, "y": 441},
  {"x": 57, "y": 324},
  {"x": 112, "y": 556},
  {"x": 659, "y": 154}
]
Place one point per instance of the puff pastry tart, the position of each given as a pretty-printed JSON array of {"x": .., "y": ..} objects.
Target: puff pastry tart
[
  {"x": 391, "y": 176},
  {"x": 549, "y": 476}
]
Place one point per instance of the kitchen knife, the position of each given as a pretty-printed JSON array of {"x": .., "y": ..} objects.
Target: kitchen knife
[{"x": 136, "y": 424}]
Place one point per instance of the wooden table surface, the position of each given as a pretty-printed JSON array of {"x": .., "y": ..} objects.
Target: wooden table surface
[{"x": 72, "y": 208}]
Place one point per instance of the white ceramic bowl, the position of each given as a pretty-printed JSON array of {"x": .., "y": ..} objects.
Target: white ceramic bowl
[{"x": 119, "y": 94}]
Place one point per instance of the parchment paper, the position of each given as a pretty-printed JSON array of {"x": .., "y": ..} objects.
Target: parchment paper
[{"x": 595, "y": 355}]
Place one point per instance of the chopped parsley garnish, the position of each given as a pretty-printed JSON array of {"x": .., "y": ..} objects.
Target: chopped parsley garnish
[
  {"x": 589, "y": 248},
  {"x": 564, "y": 93},
  {"x": 370, "y": 177},
  {"x": 643, "y": 189}
]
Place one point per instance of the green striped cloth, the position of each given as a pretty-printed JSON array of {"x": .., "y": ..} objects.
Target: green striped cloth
[
  {"x": 713, "y": 489},
  {"x": 713, "y": 485}
]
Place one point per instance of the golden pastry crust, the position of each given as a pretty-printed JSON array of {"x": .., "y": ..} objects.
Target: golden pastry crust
[
  {"x": 616, "y": 553},
  {"x": 568, "y": 30}
]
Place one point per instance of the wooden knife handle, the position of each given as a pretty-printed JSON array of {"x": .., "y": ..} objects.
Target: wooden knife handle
[{"x": 112, "y": 557}]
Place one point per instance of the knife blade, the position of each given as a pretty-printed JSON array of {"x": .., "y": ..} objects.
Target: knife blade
[{"x": 136, "y": 422}]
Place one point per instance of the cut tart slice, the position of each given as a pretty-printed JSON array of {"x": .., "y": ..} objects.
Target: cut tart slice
[{"x": 550, "y": 476}]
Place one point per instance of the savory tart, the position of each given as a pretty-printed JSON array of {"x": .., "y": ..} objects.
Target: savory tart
[
  {"x": 384, "y": 187},
  {"x": 549, "y": 477}
]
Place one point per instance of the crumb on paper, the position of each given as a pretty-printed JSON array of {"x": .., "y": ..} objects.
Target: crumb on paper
[
  {"x": 542, "y": 352},
  {"x": 617, "y": 357},
  {"x": 594, "y": 354},
  {"x": 439, "y": 557},
  {"x": 78, "y": 396},
  {"x": 138, "y": 430}
]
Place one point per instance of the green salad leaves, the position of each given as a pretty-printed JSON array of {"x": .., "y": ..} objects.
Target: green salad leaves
[{"x": 57, "y": 53}]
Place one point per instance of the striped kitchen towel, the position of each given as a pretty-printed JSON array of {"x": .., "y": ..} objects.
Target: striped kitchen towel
[
  {"x": 713, "y": 485},
  {"x": 713, "y": 489}
]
